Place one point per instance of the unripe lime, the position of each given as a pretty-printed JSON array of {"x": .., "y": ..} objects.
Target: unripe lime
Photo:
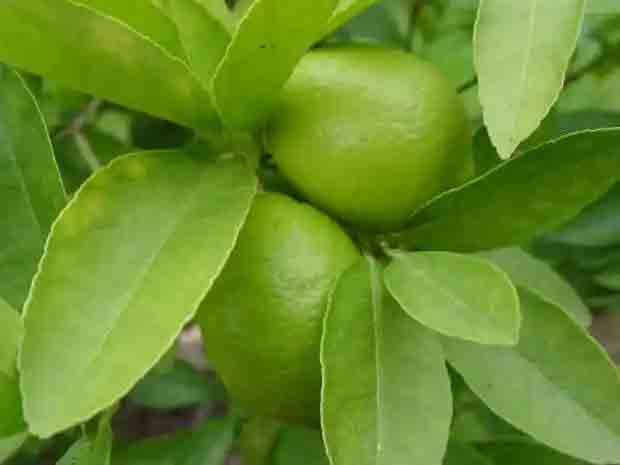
[
  {"x": 262, "y": 321},
  {"x": 370, "y": 134}
]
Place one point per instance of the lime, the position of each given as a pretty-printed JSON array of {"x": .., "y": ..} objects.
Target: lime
[
  {"x": 262, "y": 321},
  {"x": 370, "y": 134}
]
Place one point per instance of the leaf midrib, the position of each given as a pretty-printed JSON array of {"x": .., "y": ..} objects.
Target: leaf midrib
[
  {"x": 130, "y": 294},
  {"x": 377, "y": 307}
]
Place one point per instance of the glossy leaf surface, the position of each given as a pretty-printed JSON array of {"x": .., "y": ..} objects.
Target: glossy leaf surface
[
  {"x": 81, "y": 48},
  {"x": 558, "y": 385},
  {"x": 386, "y": 389},
  {"x": 522, "y": 52},
  {"x": 537, "y": 276},
  {"x": 521, "y": 198},
  {"x": 31, "y": 191},
  {"x": 127, "y": 265},
  {"x": 456, "y": 295},
  {"x": 269, "y": 41}
]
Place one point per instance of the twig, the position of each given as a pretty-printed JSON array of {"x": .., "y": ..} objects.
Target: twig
[{"x": 467, "y": 85}]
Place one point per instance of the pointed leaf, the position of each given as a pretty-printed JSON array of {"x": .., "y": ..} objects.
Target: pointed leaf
[
  {"x": 522, "y": 52},
  {"x": 126, "y": 266},
  {"x": 81, "y": 48},
  {"x": 208, "y": 445},
  {"x": 558, "y": 385},
  {"x": 269, "y": 41},
  {"x": 345, "y": 10},
  {"x": 30, "y": 187},
  {"x": 11, "y": 422},
  {"x": 386, "y": 390},
  {"x": 203, "y": 36},
  {"x": 456, "y": 295},
  {"x": 537, "y": 276},
  {"x": 144, "y": 17},
  {"x": 522, "y": 197}
]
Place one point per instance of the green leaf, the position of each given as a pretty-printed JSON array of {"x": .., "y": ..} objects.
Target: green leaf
[
  {"x": 30, "y": 187},
  {"x": 456, "y": 295},
  {"x": 10, "y": 445},
  {"x": 298, "y": 445},
  {"x": 522, "y": 52},
  {"x": 526, "y": 454},
  {"x": 11, "y": 327},
  {"x": 208, "y": 445},
  {"x": 597, "y": 226},
  {"x": 537, "y": 276},
  {"x": 267, "y": 44},
  {"x": 144, "y": 17},
  {"x": 474, "y": 422},
  {"x": 182, "y": 386},
  {"x": 258, "y": 439},
  {"x": 91, "y": 449},
  {"x": 463, "y": 454},
  {"x": 602, "y": 7},
  {"x": 203, "y": 36},
  {"x": 76, "y": 453},
  {"x": 522, "y": 197},
  {"x": 79, "y": 47},
  {"x": 11, "y": 422},
  {"x": 344, "y": 11},
  {"x": 384, "y": 378},
  {"x": 558, "y": 385},
  {"x": 609, "y": 278},
  {"x": 127, "y": 264}
]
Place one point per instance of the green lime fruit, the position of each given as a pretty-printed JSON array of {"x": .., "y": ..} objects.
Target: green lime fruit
[
  {"x": 370, "y": 134},
  {"x": 262, "y": 321}
]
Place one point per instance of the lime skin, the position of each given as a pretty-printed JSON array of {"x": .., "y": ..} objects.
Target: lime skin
[
  {"x": 262, "y": 321},
  {"x": 370, "y": 134}
]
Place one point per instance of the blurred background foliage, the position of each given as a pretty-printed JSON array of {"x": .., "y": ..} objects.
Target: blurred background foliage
[{"x": 182, "y": 391}]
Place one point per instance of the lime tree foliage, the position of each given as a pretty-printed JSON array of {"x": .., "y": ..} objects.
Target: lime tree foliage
[{"x": 389, "y": 220}]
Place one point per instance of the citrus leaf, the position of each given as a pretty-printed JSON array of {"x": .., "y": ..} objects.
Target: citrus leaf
[
  {"x": 30, "y": 187},
  {"x": 386, "y": 390},
  {"x": 182, "y": 386},
  {"x": 463, "y": 454},
  {"x": 79, "y": 47},
  {"x": 258, "y": 439},
  {"x": 299, "y": 445},
  {"x": 126, "y": 266},
  {"x": 91, "y": 449},
  {"x": 526, "y": 454},
  {"x": 609, "y": 278},
  {"x": 456, "y": 295},
  {"x": 537, "y": 276},
  {"x": 10, "y": 445},
  {"x": 203, "y": 36},
  {"x": 596, "y": 226},
  {"x": 269, "y": 41},
  {"x": 144, "y": 17},
  {"x": 522, "y": 197},
  {"x": 344, "y": 11},
  {"x": 11, "y": 422},
  {"x": 208, "y": 445},
  {"x": 558, "y": 385},
  {"x": 522, "y": 52},
  {"x": 602, "y": 7}
]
